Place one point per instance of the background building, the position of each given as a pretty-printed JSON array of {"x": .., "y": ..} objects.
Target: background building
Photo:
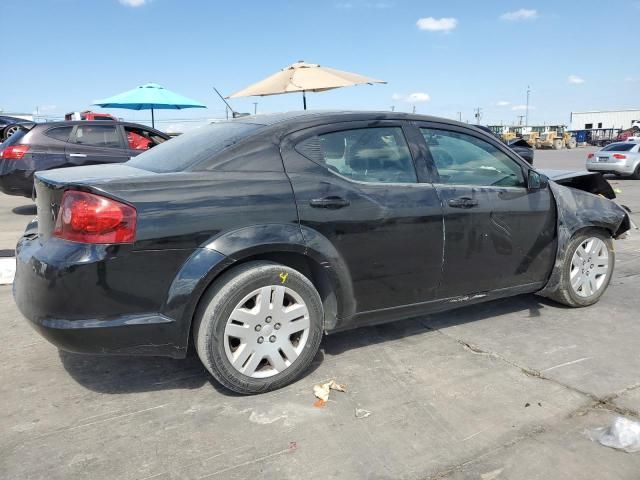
[{"x": 604, "y": 119}]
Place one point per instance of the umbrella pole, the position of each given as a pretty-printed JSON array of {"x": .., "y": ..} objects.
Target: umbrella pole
[
  {"x": 304, "y": 100},
  {"x": 153, "y": 120}
]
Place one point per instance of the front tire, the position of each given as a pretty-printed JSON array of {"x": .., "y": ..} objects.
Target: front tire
[
  {"x": 587, "y": 269},
  {"x": 259, "y": 327}
]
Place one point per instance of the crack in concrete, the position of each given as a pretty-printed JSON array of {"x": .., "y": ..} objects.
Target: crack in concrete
[
  {"x": 514, "y": 441},
  {"x": 596, "y": 403}
]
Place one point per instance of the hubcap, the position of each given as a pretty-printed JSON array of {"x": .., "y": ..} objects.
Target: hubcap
[
  {"x": 267, "y": 331},
  {"x": 589, "y": 267}
]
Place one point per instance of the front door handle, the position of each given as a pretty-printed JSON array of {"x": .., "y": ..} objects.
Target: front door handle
[
  {"x": 78, "y": 155},
  {"x": 332, "y": 203},
  {"x": 463, "y": 202}
]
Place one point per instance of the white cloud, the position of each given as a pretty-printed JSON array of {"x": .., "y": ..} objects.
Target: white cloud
[
  {"x": 503, "y": 103},
  {"x": 416, "y": 97},
  {"x": 345, "y": 5},
  {"x": 522, "y": 14},
  {"x": 134, "y": 3},
  {"x": 517, "y": 108},
  {"x": 437, "y": 24},
  {"x": 575, "y": 80}
]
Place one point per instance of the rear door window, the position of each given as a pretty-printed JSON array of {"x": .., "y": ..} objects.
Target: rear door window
[
  {"x": 374, "y": 155},
  {"x": 106, "y": 136},
  {"x": 59, "y": 133}
]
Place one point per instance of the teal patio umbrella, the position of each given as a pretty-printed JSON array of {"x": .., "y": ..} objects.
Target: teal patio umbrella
[{"x": 149, "y": 97}]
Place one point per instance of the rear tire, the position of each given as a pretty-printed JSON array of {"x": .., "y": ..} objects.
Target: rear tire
[
  {"x": 257, "y": 302},
  {"x": 587, "y": 269},
  {"x": 636, "y": 173}
]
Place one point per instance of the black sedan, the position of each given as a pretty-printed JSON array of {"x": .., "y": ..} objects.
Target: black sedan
[
  {"x": 252, "y": 238},
  {"x": 44, "y": 146}
]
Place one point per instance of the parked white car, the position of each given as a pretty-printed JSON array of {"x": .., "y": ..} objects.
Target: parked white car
[{"x": 620, "y": 158}]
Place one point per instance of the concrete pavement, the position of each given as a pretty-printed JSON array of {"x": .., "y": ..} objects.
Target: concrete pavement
[{"x": 503, "y": 390}]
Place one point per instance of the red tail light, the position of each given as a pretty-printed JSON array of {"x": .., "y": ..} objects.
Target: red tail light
[
  {"x": 591, "y": 155},
  {"x": 14, "y": 152},
  {"x": 88, "y": 218},
  {"x": 619, "y": 156}
]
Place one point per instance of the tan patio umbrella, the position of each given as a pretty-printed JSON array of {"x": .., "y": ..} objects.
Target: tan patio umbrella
[{"x": 304, "y": 77}]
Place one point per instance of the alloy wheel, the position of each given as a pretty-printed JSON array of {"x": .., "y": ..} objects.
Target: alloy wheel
[
  {"x": 589, "y": 267},
  {"x": 267, "y": 331}
]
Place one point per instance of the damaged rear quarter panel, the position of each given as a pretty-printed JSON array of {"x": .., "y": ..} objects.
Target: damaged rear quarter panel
[{"x": 578, "y": 210}]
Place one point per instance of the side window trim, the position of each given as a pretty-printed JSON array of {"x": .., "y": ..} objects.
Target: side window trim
[
  {"x": 295, "y": 138},
  {"x": 455, "y": 129}
]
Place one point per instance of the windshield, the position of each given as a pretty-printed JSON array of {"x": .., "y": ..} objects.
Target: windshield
[
  {"x": 191, "y": 148},
  {"x": 619, "y": 147}
]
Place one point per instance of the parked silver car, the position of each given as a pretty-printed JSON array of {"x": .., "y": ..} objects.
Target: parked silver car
[{"x": 621, "y": 158}]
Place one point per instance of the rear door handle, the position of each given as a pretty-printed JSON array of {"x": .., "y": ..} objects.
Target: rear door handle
[
  {"x": 332, "y": 203},
  {"x": 463, "y": 202},
  {"x": 78, "y": 155}
]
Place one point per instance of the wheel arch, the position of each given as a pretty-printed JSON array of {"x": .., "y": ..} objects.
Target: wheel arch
[{"x": 311, "y": 254}]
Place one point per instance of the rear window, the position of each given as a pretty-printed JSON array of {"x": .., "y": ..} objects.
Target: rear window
[
  {"x": 193, "y": 147},
  {"x": 619, "y": 147},
  {"x": 59, "y": 133}
]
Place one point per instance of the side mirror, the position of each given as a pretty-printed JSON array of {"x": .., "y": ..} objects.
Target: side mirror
[{"x": 537, "y": 181}]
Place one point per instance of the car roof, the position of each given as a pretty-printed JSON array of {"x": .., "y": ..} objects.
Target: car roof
[
  {"x": 71, "y": 123},
  {"x": 328, "y": 116}
]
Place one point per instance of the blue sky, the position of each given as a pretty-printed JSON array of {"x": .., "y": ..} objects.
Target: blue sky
[{"x": 457, "y": 54}]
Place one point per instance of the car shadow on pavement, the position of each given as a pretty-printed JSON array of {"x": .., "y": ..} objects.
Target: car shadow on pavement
[
  {"x": 339, "y": 343},
  {"x": 25, "y": 210},
  {"x": 130, "y": 374}
]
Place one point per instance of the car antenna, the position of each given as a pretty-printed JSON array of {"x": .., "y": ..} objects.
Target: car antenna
[{"x": 234, "y": 114}]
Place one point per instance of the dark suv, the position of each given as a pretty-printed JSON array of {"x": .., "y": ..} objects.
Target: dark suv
[
  {"x": 251, "y": 238},
  {"x": 45, "y": 146}
]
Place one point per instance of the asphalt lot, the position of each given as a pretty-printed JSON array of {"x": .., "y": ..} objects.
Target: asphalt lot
[{"x": 503, "y": 390}]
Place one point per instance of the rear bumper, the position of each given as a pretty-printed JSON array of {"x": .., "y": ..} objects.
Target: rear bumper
[
  {"x": 99, "y": 299},
  {"x": 150, "y": 334},
  {"x": 621, "y": 168},
  {"x": 17, "y": 182}
]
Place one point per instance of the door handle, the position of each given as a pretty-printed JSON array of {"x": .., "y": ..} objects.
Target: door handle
[
  {"x": 332, "y": 203},
  {"x": 78, "y": 155},
  {"x": 463, "y": 202}
]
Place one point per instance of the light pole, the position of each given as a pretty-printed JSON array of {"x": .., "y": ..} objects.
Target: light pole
[
  {"x": 255, "y": 108},
  {"x": 526, "y": 123},
  {"x": 478, "y": 115}
]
